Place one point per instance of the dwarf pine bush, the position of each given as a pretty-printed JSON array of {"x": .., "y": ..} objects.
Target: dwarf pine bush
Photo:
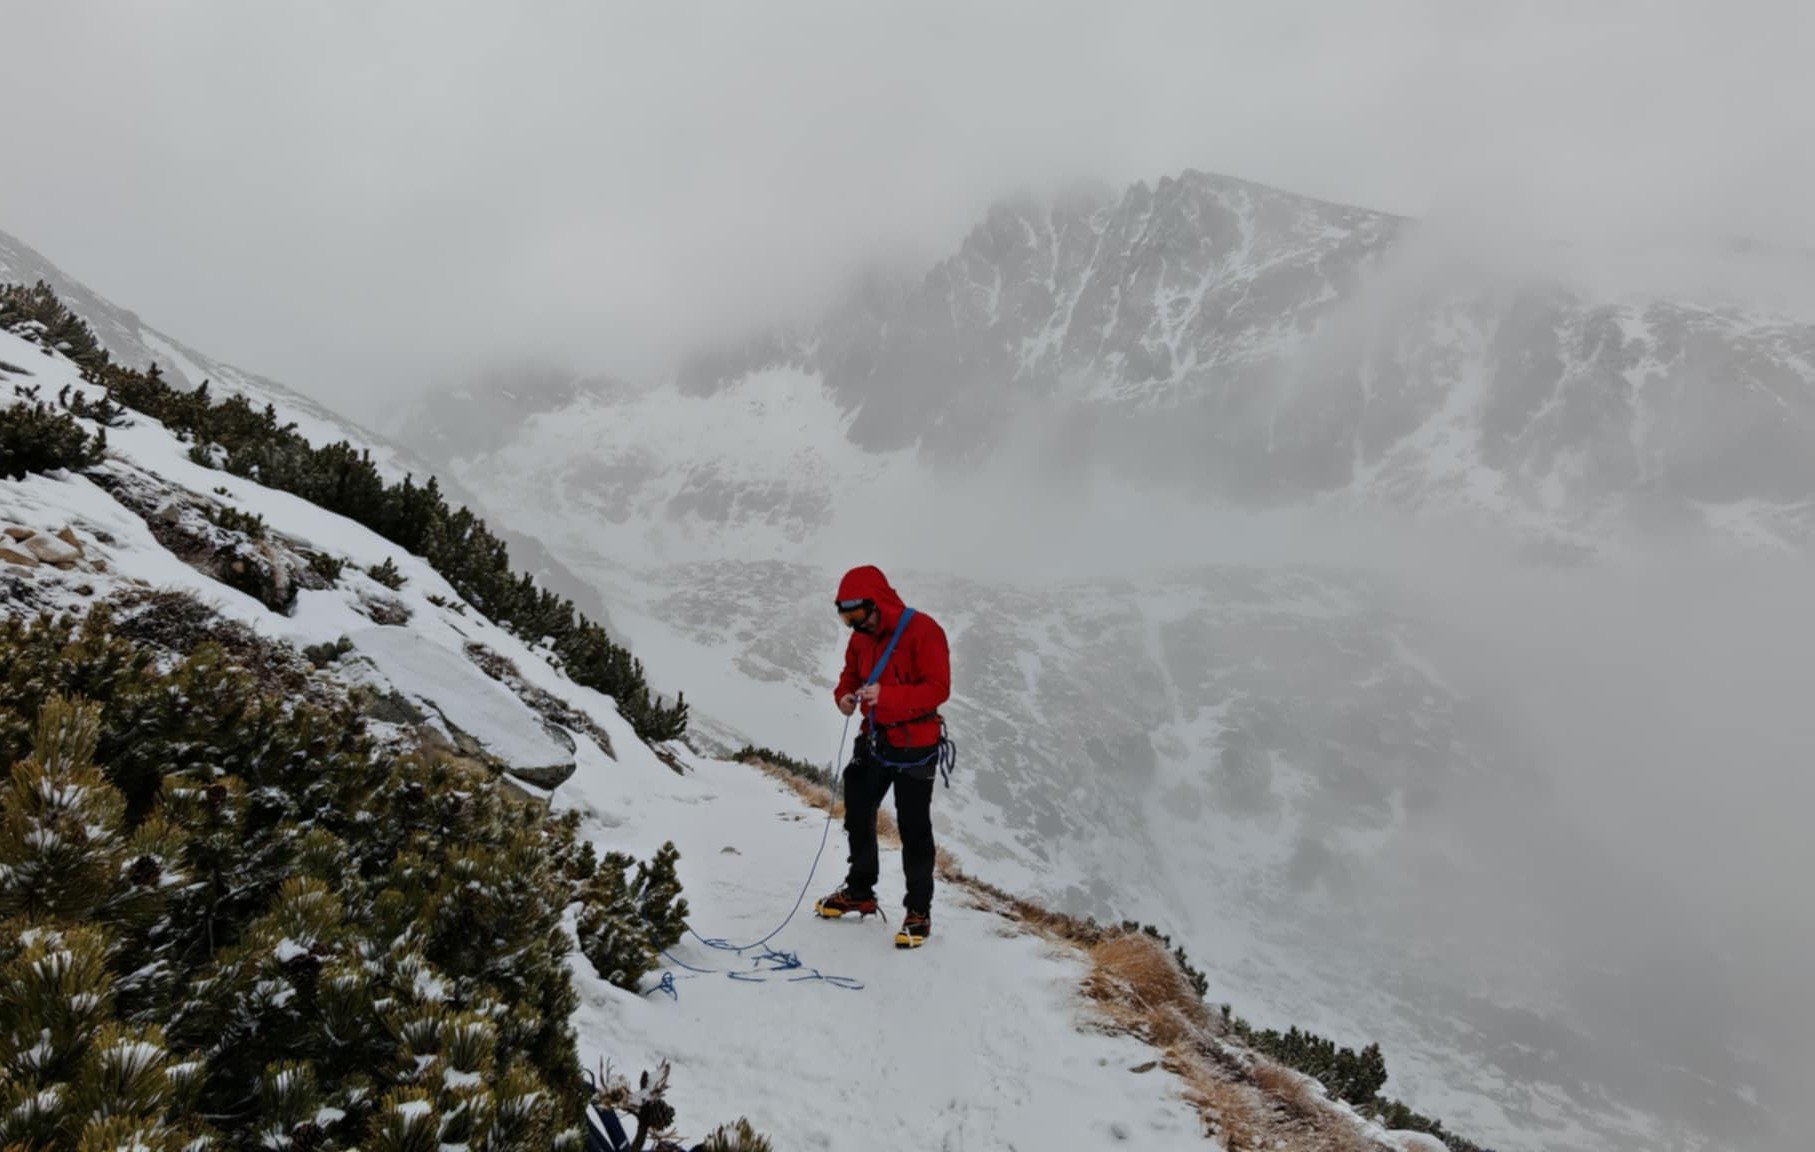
[
  {"x": 233, "y": 434},
  {"x": 223, "y": 917},
  {"x": 34, "y": 437},
  {"x": 627, "y": 922}
]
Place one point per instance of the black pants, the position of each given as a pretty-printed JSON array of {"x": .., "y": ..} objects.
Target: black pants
[{"x": 866, "y": 781}]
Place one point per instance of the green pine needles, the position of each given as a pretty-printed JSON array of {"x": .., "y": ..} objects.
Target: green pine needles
[
  {"x": 35, "y": 437},
  {"x": 224, "y": 919},
  {"x": 625, "y": 924}
]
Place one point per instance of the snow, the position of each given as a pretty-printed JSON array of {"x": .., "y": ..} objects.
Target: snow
[
  {"x": 981, "y": 1039},
  {"x": 44, "y": 1102},
  {"x": 288, "y": 950},
  {"x": 616, "y": 503},
  {"x": 132, "y": 1057},
  {"x": 429, "y": 986},
  {"x": 480, "y": 706}
]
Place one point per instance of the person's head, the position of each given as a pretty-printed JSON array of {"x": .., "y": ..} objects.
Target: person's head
[
  {"x": 859, "y": 614},
  {"x": 865, "y": 601}
]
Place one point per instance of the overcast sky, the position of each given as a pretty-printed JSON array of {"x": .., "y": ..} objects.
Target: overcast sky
[{"x": 346, "y": 195}]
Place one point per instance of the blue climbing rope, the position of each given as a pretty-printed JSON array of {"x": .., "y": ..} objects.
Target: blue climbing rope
[
  {"x": 778, "y": 961},
  {"x": 825, "y": 833}
]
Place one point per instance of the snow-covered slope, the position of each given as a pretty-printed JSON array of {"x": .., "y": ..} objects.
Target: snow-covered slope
[
  {"x": 979, "y": 1040},
  {"x": 131, "y": 341}
]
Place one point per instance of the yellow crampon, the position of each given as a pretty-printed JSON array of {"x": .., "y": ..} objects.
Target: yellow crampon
[
  {"x": 913, "y": 931},
  {"x": 838, "y": 903}
]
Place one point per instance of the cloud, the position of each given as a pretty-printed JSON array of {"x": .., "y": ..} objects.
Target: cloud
[{"x": 349, "y": 196}]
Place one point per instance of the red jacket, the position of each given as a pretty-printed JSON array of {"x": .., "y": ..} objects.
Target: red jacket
[{"x": 919, "y": 676}]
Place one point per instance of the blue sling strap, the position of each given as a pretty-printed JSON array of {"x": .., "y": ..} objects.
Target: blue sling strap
[
  {"x": 876, "y": 672},
  {"x": 946, "y": 753}
]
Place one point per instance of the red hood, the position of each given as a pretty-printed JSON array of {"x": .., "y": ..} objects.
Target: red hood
[{"x": 868, "y": 583}]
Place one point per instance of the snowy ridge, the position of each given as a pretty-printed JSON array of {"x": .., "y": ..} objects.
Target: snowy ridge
[
  {"x": 137, "y": 345},
  {"x": 1229, "y": 341},
  {"x": 980, "y": 1040},
  {"x": 132, "y": 342}
]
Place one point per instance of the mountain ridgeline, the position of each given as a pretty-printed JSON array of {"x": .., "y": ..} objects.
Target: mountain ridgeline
[{"x": 1246, "y": 343}]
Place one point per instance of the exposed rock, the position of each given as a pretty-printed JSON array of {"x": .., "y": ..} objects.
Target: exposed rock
[
  {"x": 263, "y": 567},
  {"x": 555, "y": 714},
  {"x": 18, "y": 533},
  {"x": 547, "y": 777},
  {"x": 486, "y": 720},
  {"x": 392, "y": 707},
  {"x": 384, "y": 610},
  {"x": 52, "y": 550},
  {"x": 17, "y": 555}
]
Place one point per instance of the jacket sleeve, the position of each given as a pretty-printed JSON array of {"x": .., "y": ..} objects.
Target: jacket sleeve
[
  {"x": 848, "y": 680},
  {"x": 932, "y": 684}
]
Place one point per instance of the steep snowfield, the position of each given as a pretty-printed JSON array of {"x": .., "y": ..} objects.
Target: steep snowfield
[{"x": 979, "y": 1040}]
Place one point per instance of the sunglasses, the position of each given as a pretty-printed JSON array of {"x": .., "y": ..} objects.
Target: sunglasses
[{"x": 854, "y": 611}]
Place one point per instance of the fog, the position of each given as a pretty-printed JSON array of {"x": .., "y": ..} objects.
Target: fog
[
  {"x": 357, "y": 198},
  {"x": 1644, "y": 865}
]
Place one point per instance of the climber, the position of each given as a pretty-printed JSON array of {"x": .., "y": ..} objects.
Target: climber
[{"x": 899, "y": 744}]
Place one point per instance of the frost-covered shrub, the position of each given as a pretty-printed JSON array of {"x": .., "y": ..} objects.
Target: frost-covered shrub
[
  {"x": 221, "y": 908},
  {"x": 627, "y": 922},
  {"x": 35, "y": 437},
  {"x": 38, "y": 312}
]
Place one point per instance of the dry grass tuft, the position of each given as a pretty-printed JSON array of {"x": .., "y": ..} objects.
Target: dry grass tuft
[
  {"x": 1288, "y": 1087},
  {"x": 945, "y": 864},
  {"x": 1052, "y": 925},
  {"x": 1229, "y": 1108},
  {"x": 1313, "y": 1122},
  {"x": 1136, "y": 973}
]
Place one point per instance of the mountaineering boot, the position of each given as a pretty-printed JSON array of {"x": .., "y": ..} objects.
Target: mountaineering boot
[
  {"x": 915, "y": 928},
  {"x": 842, "y": 901}
]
